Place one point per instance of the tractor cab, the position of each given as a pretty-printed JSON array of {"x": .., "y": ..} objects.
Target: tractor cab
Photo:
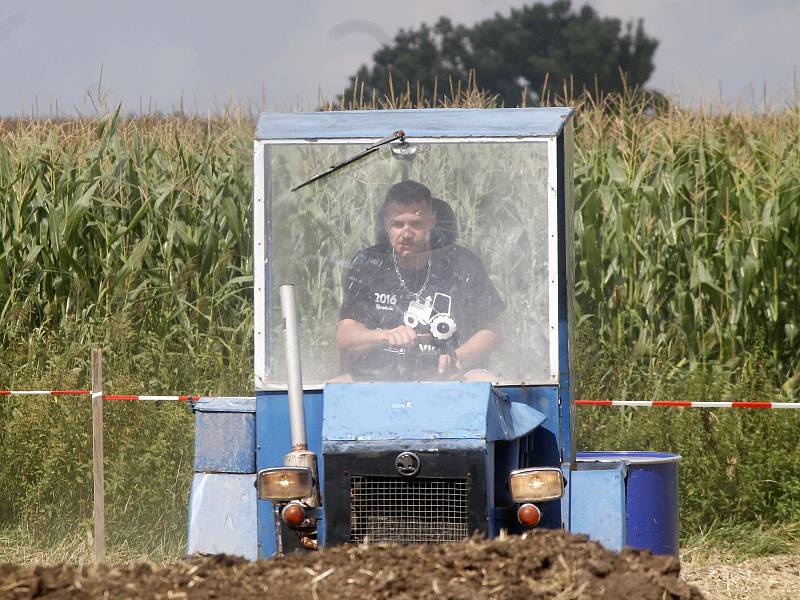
[
  {"x": 492, "y": 180},
  {"x": 413, "y": 383}
]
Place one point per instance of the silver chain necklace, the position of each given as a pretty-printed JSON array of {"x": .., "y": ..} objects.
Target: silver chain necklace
[{"x": 403, "y": 282}]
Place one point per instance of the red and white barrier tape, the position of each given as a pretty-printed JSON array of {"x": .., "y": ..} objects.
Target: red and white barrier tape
[
  {"x": 44, "y": 392},
  {"x": 183, "y": 398},
  {"x": 688, "y": 404},
  {"x": 634, "y": 403}
]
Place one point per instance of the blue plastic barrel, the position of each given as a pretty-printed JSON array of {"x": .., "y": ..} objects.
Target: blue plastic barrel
[{"x": 651, "y": 497}]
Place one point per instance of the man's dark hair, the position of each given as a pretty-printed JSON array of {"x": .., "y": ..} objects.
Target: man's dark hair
[{"x": 408, "y": 192}]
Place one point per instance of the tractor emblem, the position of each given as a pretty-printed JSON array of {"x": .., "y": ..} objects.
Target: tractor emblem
[
  {"x": 407, "y": 464},
  {"x": 425, "y": 314}
]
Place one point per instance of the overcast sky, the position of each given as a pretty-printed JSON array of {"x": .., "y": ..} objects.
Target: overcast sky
[{"x": 153, "y": 53}]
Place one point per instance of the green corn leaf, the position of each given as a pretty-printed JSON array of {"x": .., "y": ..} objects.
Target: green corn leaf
[{"x": 134, "y": 261}]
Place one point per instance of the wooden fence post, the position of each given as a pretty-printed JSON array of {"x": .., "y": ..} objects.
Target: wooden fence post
[{"x": 98, "y": 471}]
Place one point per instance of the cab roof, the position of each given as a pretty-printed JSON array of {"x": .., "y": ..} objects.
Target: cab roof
[{"x": 426, "y": 122}]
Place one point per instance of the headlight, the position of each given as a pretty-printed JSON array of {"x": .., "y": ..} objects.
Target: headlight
[
  {"x": 536, "y": 484},
  {"x": 285, "y": 483}
]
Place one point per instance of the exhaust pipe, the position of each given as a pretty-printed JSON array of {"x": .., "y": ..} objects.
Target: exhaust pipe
[{"x": 300, "y": 456}]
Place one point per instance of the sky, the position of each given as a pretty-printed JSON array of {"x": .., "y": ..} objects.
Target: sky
[{"x": 74, "y": 56}]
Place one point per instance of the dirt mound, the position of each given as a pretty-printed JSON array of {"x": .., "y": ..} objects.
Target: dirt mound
[{"x": 543, "y": 564}]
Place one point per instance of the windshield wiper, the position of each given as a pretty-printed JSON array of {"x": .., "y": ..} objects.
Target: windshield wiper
[{"x": 397, "y": 135}]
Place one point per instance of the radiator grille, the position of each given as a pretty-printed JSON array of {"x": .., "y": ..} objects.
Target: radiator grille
[{"x": 408, "y": 511}]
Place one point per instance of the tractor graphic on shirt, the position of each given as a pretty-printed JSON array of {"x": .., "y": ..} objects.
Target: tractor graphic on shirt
[{"x": 425, "y": 314}]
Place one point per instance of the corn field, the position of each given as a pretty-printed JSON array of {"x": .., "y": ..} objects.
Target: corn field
[
  {"x": 687, "y": 230},
  {"x": 126, "y": 230}
]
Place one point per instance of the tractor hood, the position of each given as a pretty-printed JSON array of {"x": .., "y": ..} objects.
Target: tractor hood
[{"x": 423, "y": 411}]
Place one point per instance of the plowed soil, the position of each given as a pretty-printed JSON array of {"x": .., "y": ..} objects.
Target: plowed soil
[{"x": 543, "y": 564}]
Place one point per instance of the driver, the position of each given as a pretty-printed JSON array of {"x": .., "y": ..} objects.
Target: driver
[{"x": 416, "y": 306}]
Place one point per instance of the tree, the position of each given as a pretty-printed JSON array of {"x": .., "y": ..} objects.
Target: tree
[{"x": 513, "y": 56}]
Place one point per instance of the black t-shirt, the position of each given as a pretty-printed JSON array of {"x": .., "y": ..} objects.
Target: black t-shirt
[{"x": 446, "y": 302}]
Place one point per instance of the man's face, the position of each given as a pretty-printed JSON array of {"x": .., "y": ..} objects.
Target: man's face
[{"x": 409, "y": 227}]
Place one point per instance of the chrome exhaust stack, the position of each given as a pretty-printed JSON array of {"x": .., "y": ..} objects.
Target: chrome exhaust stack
[{"x": 300, "y": 456}]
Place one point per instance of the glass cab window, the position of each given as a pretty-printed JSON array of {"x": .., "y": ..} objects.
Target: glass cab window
[{"x": 417, "y": 262}]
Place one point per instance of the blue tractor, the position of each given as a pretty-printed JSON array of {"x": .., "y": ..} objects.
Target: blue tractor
[{"x": 415, "y": 383}]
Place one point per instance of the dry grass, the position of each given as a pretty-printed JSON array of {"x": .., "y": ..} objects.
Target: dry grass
[
  {"x": 745, "y": 561},
  {"x": 773, "y": 577},
  {"x": 23, "y": 546}
]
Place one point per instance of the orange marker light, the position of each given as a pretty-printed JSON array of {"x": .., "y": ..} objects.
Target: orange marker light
[
  {"x": 529, "y": 515},
  {"x": 293, "y": 514}
]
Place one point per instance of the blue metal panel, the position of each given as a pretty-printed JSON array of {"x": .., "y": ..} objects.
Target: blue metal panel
[
  {"x": 423, "y": 446},
  {"x": 222, "y": 515},
  {"x": 273, "y": 441},
  {"x": 651, "y": 505},
  {"x": 423, "y": 411},
  {"x": 438, "y": 122},
  {"x": 507, "y": 420},
  {"x": 652, "y": 508},
  {"x": 547, "y": 437},
  {"x": 598, "y": 503},
  {"x": 235, "y": 404},
  {"x": 225, "y": 442},
  {"x": 493, "y": 524},
  {"x": 547, "y": 443},
  {"x": 565, "y": 309},
  {"x": 566, "y": 279},
  {"x": 402, "y": 411}
]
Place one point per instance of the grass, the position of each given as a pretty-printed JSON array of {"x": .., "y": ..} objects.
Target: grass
[
  {"x": 744, "y": 562},
  {"x": 732, "y": 542},
  {"x": 23, "y": 545}
]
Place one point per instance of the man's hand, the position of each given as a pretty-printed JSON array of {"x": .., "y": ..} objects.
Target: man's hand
[
  {"x": 449, "y": 364},
  {"x": 352, "y": 336},
  {"x": 400, "y": 336}
]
